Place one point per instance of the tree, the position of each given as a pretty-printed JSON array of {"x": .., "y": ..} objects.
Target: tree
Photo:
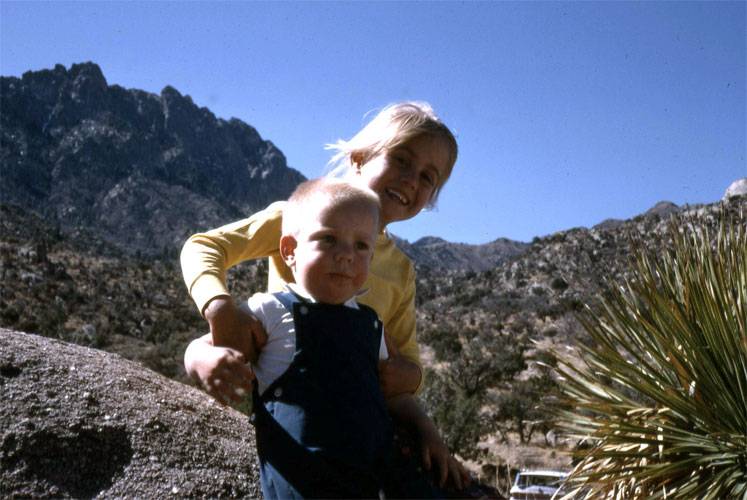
[
  {"x": 521, "y": 405},
  {"x": 456, "y": 397}
]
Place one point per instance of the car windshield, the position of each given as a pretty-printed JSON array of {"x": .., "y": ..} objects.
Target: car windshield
[{"x": 527, "y": 480}]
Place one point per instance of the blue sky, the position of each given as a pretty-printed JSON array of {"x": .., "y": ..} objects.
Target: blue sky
[{"x": 566, "y": 113}]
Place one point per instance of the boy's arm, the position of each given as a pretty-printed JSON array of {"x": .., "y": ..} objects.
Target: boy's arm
[
  {"x": 220, "y": 370},
  {"x": 406, "y": 412}
]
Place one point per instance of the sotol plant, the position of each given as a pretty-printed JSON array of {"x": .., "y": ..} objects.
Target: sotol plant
[{"x": 660, "y": 395}]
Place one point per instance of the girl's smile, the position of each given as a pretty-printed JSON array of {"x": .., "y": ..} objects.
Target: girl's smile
[{"x": 406, "y": 176}]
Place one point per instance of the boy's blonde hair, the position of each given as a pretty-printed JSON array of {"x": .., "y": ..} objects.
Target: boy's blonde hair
[
  {"x": 334, "y": 192},
  {"x": 394, "y": 126}
]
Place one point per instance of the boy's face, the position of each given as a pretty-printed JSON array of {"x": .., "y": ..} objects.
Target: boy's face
[{"x": 331, "y": 253}]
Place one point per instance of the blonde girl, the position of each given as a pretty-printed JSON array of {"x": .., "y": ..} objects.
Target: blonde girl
[{"x": 405, "y": 155}]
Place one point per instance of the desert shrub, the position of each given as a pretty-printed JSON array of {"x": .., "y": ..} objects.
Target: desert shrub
[
  {"x": 445, "y": 341},
  {"x": 660, "y": 394},
  {"x": 456, "y": 398},
  {"x": 457, "y": 415},
  {"x": 522, "y": 407}
]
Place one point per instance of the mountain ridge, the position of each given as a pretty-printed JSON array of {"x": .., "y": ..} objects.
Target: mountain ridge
[
  {"x": 88, "y": 154},
  {"x": 146, "y": 171}
]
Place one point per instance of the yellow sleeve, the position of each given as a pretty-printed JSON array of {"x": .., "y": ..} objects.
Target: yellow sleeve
[
  {"x": 391, "y": 284},
  {"x": 403, "y": 321},
  {"x": 206, "y": 256}
]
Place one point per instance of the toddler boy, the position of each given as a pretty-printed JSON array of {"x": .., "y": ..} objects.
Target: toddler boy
[{"x": 323, "y": 429}]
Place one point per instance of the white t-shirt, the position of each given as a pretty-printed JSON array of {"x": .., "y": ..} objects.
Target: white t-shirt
[{"x": 276, "y": 355}]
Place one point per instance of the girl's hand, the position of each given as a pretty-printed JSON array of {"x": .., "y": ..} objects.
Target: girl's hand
[
  {"x": 435, "y": 451},
  {"x": 221, "y": 370},
  {"x": 233, "y": 327},
  {"x": 397, "y": 374}
]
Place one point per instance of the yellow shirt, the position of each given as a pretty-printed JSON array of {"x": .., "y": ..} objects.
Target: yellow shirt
[{"x": 391, "y": 277}]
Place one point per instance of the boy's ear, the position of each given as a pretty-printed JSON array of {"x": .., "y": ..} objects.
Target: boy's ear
[{"x": 288, "y": 246}]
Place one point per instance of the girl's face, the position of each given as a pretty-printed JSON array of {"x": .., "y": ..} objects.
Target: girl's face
[{"x": 406, "y": 176}]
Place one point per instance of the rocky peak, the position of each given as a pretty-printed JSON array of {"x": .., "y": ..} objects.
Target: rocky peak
[
  {"x": 663, "y": 209},
  {"x": 72, "y": 145}
]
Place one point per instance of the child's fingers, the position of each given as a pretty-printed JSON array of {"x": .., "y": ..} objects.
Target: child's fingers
[
  {"x": 240, "y": 375},
  {"x": 426, "y": 460},
  {"x": 443, "y": 471},
  {"x": 441, "y": 462},
  {"x": 466, "y": 478},
  {"x": 246, "y": 372},
  {"x": 213, "y": 388},
  {"x": 230, "y": 379},
  {"x": 456, "y": 470}
]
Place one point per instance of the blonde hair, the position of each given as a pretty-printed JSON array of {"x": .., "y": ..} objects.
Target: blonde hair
[
  {"x": 334, "y": 192},
  {"x": 394, "y": 126}
]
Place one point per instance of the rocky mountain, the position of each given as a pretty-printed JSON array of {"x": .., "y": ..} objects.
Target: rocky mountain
[
  {"x": 488, "y": 336},
  {"x": 439, "y": 253},
  {"x": 144, "y": 171},
  {"x": 663, "y": 209},
  {"x": 737, "y": 188}
]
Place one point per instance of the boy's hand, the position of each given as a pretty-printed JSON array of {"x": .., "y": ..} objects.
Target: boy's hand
[
  {"x": 235, "y": 328},
  {"x": 221, "y": 370},
  {"x": 397, "y": 374}
]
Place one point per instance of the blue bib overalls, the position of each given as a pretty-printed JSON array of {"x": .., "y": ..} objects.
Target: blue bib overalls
[{"x": 323, "y": 430}]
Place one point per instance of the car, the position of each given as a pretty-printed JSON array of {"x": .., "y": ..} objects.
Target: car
[{"x": 538, "y": 485}]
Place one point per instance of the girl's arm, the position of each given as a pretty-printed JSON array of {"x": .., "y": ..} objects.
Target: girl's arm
[
  {"x": 391, "y": 281},
  {"x": 205, "y": 258},
  {"x": 397, "y": 374},
  {"x": 406, "y": 412},
  {"x": 233, "y": 327}
]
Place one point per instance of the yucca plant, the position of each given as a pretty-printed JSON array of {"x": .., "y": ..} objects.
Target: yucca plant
[{"x": 660, "y": 394}]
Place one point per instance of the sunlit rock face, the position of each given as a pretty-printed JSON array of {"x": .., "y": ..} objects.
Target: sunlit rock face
[{"x": 738, "y": 187}]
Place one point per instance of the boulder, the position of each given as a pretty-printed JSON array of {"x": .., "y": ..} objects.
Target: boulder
[
  {"x": 81, "y": 423},
  {"x": 737, "y": 188}
]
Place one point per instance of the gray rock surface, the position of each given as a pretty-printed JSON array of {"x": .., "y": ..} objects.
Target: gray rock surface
[
  {"x": 738, "y": 187},
  {"x": 663, "y": 209},
  {"x": 81, "y": 423}
]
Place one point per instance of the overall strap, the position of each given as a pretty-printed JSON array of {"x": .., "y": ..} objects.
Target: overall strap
[{"x": 287, "y": 299}]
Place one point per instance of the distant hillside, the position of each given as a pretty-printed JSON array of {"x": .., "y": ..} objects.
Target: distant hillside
[
  {"x": 437, "y": 253},
  {"x": 477, "y": 328},
  {"x": 144, "y": 171}
]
